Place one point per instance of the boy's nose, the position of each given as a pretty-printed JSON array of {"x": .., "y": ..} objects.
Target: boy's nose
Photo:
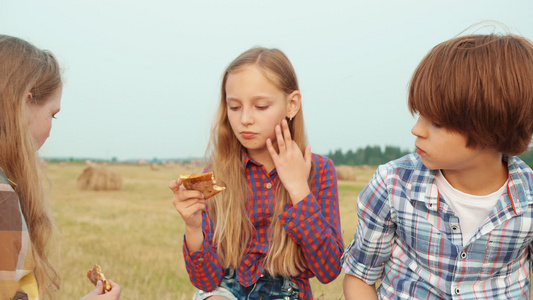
[{"x": 418, "y": 129}]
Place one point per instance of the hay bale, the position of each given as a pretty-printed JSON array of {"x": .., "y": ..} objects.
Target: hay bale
[
  {"x": 154, "y": 167},
  {"x": 99, "y": 178},
  {"x": 345, "y": 172}
]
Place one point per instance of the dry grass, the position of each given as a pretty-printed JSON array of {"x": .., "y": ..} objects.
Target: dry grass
[{"x": 135, "y": 234}]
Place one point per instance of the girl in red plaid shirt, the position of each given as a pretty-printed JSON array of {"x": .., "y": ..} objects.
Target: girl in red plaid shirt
[{"x": 277, "y": 223}]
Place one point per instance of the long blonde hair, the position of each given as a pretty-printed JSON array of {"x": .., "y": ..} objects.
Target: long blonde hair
[
  {"x": 26, "y": 69},
  {"x": 228, "y": 211}
]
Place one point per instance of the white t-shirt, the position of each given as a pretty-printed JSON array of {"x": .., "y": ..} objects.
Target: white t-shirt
[{"x": 470, "y": 209}]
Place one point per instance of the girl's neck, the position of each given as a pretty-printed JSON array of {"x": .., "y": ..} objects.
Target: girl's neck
[
  {"x": 481, "y": 178},
  {"x": 263, "y": 157}
]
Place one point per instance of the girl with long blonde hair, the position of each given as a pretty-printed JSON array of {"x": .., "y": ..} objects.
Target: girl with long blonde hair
[
  {"x": 277, "y": 222},
  {"x": 30, "y": 96}
]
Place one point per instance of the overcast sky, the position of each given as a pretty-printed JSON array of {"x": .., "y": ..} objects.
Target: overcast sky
[{"x": 142, "y": 78}]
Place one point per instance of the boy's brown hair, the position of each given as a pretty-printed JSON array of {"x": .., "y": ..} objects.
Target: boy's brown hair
[{"x": 480, "y": 86}]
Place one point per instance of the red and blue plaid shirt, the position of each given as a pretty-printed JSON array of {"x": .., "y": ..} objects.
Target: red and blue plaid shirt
[
  {"x": 410, "y": 238},
  {"x": 313, "y": 223}
]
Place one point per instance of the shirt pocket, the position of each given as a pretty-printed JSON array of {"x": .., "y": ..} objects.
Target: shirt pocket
[
  {"x": 421, "y": 241},
  {"x": 506, "y": 245}
]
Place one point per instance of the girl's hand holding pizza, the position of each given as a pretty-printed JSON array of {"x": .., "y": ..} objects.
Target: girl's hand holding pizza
[{"x": 189, "y": 204}]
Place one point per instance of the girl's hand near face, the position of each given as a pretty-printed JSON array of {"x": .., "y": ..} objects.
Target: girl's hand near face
[
  {"x": 292, "y": 165},
  {"x": 190, "y": 205}
]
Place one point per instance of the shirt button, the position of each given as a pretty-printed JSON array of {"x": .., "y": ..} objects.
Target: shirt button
[
  {"x": 463, "y": 254},
  {"x": 269, "y": 185},
  {"x": 457, "y": 291},
  {"x": 201, "y": 259},
  {"x": 454, "y": 227}
]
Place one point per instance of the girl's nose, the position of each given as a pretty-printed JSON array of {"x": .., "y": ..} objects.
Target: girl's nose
[{"x": 247, "y": 117}]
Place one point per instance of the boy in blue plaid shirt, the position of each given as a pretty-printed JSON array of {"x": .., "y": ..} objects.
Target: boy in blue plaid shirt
[{"x": 455, "y": 219}]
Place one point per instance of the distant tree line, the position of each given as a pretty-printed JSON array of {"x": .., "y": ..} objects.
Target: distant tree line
[
  {"x": 527, "y": 157},
  {"x": 369, "y": 155},
  {"x": 375, "y": 155}
]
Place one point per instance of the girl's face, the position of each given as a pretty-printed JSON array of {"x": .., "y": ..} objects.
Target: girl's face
[
  {"x": 255, "y": 106},
  {"x": 40, "y": 117}
]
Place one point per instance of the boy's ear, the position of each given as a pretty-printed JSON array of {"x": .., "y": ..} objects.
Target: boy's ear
[{"x": 294, "y": 104}]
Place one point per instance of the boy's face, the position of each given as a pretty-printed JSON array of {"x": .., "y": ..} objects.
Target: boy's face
[{"x": 440, "y": 148}]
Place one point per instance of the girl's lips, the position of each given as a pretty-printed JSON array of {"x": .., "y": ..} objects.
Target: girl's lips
[{"x": 248, "y": 134}]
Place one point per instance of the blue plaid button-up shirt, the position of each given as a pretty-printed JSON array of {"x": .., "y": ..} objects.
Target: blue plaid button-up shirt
[{"x": 410, "y": 238}]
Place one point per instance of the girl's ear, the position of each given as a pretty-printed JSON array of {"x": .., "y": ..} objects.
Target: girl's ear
[
  {"x": 29, "y": 97},
  {"x": 294, "y": 103}
]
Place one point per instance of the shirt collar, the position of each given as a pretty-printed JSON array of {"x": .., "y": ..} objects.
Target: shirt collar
[
  {"x": 518, "y": 185},
  {"x": 247, "y": 159},
  {"x": 516, "y": 188},
  {"x": 432, "y": 192}
]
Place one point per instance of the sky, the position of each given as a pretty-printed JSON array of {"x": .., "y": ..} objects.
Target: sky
[{"x": 142, "y": 78}]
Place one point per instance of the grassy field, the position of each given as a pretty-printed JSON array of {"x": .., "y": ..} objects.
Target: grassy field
[{"x": 136, "y": 234}]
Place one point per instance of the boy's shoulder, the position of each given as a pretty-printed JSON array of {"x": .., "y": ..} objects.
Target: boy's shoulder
[
  {"x": 520, "y": 172},
  {"x": 408, "y": 168},
  {"x": 410, "y": 161},
  {"x": 515, "y": 163}
]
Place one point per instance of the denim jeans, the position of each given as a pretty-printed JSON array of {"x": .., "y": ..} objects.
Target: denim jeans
[{"x": 266, "y": 288}]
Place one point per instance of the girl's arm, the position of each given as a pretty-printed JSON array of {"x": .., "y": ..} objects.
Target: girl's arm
[
  {"x": 200, "y": 255},
  {"x": 314, "y": 223},
  {"x": 205, "y": 272},
  {"x": 190, "y": 205},
  {"x": 312, "y": 219},
  {"x": 355, "y": 288}
]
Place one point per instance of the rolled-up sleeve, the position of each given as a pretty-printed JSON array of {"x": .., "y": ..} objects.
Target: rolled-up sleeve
[{"x": 373, "y": 240}]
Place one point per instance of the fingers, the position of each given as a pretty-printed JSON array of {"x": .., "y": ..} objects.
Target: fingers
[
  {"x": 174, "y": 185},
  {"x": 271, "y": 149},
  {"x": 99, "y": 289},
  {"x": 283, "y": 136},
  {"x": 279, "y": 138},
  {"x": 286, "y": 132},
  {"x": 115, "y": 289}
]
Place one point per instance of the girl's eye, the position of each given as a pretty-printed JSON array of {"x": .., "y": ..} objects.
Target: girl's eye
[
  {"x": 234, "y": 107},
  {"x": 261, "y": 107}
]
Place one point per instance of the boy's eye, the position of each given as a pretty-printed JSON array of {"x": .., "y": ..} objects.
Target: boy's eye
[
  {"x": 436, "y": 125},
  {"x": 54, "y": 116}
]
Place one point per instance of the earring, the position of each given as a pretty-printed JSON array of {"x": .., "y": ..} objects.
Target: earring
[{"x": 290, "y": 118}]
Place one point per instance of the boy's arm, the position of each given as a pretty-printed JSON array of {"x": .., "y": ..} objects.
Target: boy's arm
[
  {"x": 364, "y": 259},
  {"x": 355, "y": 288}
]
